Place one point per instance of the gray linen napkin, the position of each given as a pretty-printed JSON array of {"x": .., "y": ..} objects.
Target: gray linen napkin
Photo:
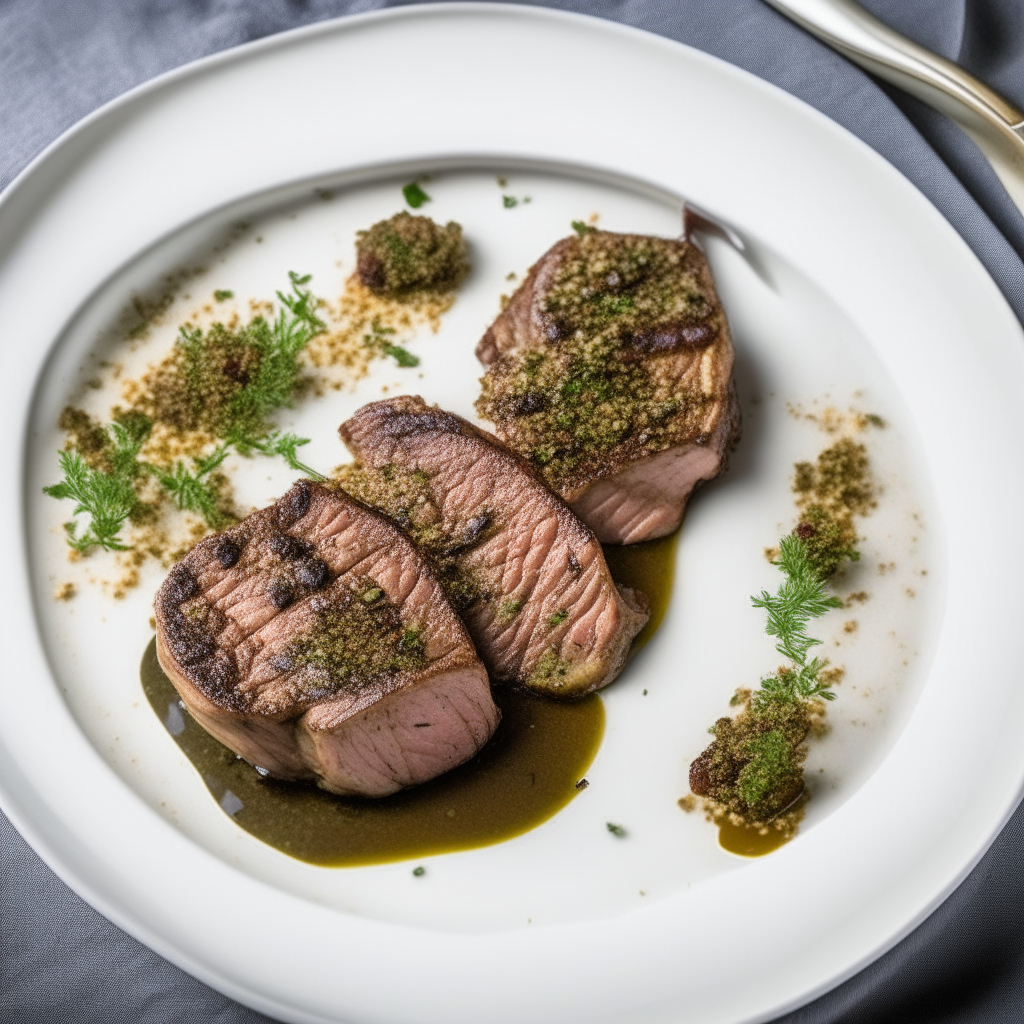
[{"x": 60, "y": 961}]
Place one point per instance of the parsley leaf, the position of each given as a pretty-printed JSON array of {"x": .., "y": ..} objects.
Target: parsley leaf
[{"x": 414, "y": 195}]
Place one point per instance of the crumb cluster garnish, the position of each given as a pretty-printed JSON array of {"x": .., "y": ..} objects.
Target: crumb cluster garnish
[{"x": 406, "y": 254}]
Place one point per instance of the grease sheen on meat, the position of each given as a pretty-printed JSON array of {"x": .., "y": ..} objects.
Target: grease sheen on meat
[
  {"x": 313, "y": 641},
  {"x": 534, "y": 588},
  {"x": 610, "y": 370}
]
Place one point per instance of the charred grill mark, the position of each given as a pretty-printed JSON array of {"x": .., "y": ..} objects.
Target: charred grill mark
[
  {"x": 669, "y": 337},
  {"x": 180, "y": 585},
  {"x": 227, "y": 552},
  {"x": 313, "y": 574},
  {"x": 294, "y": 505},
  {"x": 289, "y": 548},
  {"x": 280, "y": 593}
]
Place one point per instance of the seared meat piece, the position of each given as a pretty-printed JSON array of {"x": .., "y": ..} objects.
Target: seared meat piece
[
  {"x": 610, "y": 370},
  {"x": 313, "y": 641},
  {"x": 531, "y": 579}
]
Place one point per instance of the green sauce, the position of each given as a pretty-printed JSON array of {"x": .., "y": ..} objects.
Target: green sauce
[
  {"x": 651, "y": 568},
  {"x": 525, "y": 775},
  {"x": 749, "y": 840}
]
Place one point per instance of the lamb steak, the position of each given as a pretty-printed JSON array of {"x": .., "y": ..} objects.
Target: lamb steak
[
  {"x": 610, "y": 371},
  {"x": 529, "y": 578},
  {"x": 314, "y": 641}
]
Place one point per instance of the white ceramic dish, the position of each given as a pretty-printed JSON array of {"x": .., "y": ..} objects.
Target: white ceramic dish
[{"x": 855, "y": 284}]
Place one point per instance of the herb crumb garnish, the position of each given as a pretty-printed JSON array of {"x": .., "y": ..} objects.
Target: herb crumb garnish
[
  {"x": 222, "y": 295},
  {"x": 581, "y": 227},
  {"x": 616, "y": 830},
  {"x": 752, "y": 773},
  {"x": 218, "y": 386},
  {"x": 557, "y": 618},
  {"x": 419, "y": 872},
  {"x": 405, "y": 255},
  {"x": 414, "y": 195}
]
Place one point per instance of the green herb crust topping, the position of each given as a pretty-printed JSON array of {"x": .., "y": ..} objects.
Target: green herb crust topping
[
  {"x": 618, "y": 324},
  {"x": 407, "y": 254},
  {"x": 355, "y": 641},
  {"x": 405, "y": 497}
]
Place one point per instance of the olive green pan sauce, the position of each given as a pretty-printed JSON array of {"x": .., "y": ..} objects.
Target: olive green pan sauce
[{"x": 523, "y": 776}]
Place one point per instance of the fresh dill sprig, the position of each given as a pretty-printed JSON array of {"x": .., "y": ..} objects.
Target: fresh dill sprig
[
  {"x": 285, "y": 445},
  {"x": 192, "y": 491},
  {"x": 277, "y": 346},
  {"x": 107, "y": 497},
  {"x": 801, "y": 598}
]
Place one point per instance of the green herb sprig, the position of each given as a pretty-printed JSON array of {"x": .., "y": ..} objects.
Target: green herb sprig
[
  {"x": 801, "y": 598},
  {"x": 106, "y": 496}
]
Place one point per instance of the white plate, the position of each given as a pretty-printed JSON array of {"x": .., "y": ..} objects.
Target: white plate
[{"x": 856, "y": 284}]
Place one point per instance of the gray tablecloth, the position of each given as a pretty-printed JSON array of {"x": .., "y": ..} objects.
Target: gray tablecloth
[{"x": 60, "y": 961}]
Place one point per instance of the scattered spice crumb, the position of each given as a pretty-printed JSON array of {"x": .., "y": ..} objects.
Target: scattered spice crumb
[
  {"x": 688, "y": 803},
  {"x": 582, "y": 784},
  {"x": 850, "y": 626},
  {"x": 65, "y": 591}
]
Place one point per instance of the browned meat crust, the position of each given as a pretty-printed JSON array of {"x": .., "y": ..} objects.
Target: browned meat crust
[
  {"x": 313, "y": 640},
  {"x": 542, "y": 606}
]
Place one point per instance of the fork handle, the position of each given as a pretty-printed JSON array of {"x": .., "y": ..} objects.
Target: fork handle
[
  {"x": 995, "y": 124},
  {"x": 849, "y": 28}
]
